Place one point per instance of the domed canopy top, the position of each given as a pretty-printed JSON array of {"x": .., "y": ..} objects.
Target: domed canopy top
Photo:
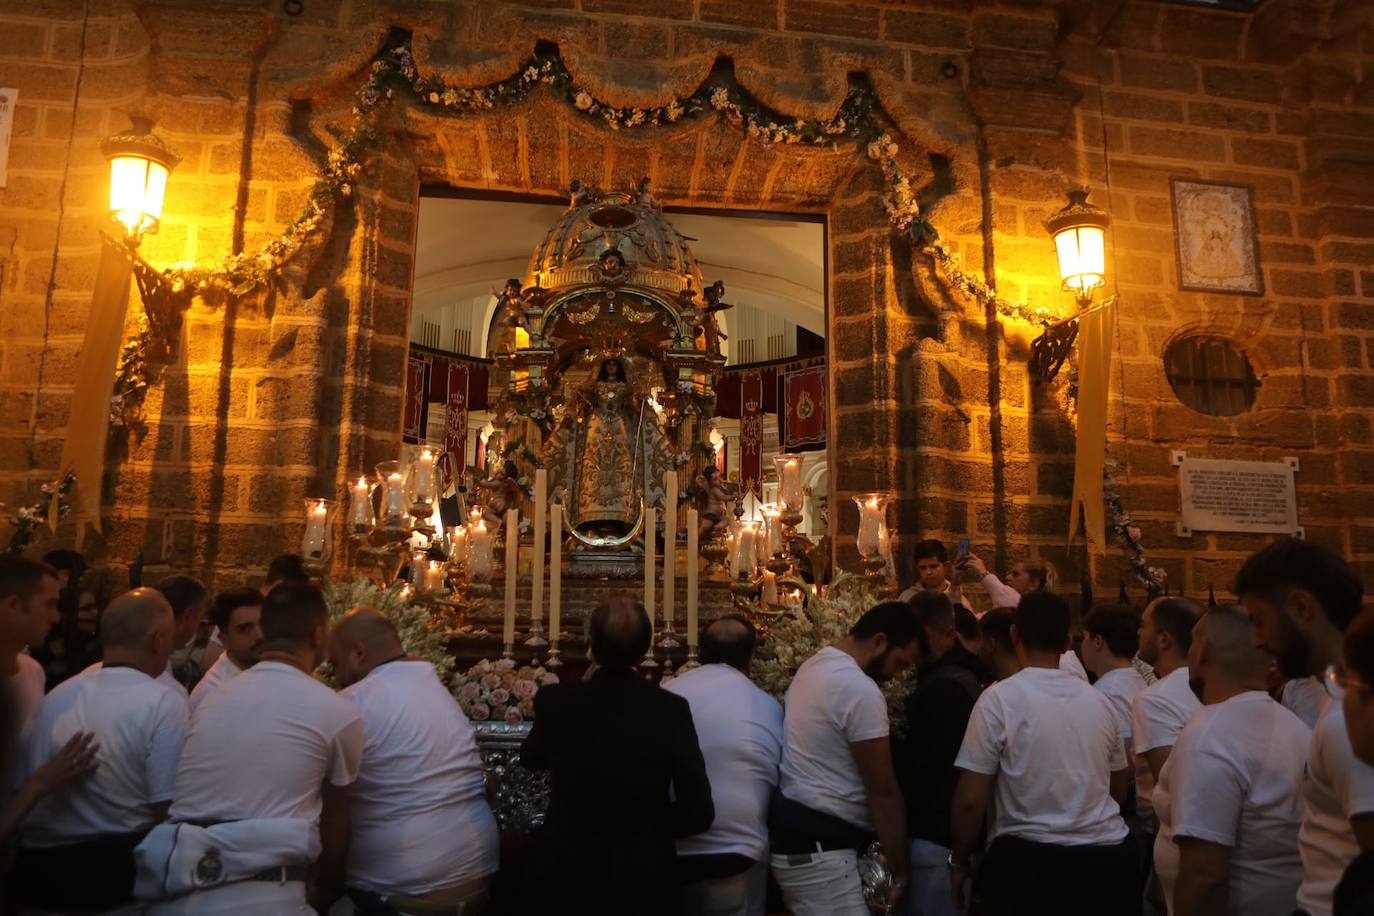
[{"x": 616, "y": 238}]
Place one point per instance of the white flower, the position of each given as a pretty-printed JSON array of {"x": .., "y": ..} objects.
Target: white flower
[
  {"x": 583, "y": 101},
  {"x": 720, "y": 98},
  {"x": 434, "y": 97}
]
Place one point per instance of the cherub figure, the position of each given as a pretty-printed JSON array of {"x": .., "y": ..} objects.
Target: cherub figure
[
  {"x": 644, "y": 195},
  {"x": 514, "y": 303},
  {"x": 577, "y": 194},
  {"x": 711, "y": 496},
  {"x": 504, "y": 487}
]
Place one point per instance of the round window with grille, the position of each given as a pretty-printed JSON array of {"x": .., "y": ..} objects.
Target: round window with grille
[{"x": 1210, "y": 375}]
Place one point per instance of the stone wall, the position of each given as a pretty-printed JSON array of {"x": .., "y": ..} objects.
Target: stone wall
[{"x": 999, "y": 108}]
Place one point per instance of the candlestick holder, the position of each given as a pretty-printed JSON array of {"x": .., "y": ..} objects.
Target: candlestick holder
[
  {"x": 715, "y": 550},
  {"x": 743, "y": 590},
  {"x": 779, "y": 565},
  {"x": 648, "y": 663},
  {"x": 669, "y": 640},
  {"x": 693, "y": 654},
  {"x": 508, "y": 651},
  {"x": 537, "y": 639},
  {"x": 554, "y": 661}
]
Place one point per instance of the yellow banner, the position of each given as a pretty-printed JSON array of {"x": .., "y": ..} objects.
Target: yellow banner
[
  {"x": 84, "y": 448},
  {"x": 1095, "y": 331}
]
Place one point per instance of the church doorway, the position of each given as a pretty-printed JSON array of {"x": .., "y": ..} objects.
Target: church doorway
[{"x": 769, "y": 394}]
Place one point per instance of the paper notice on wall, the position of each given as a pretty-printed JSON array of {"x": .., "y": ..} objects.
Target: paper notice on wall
[
  {"x": 8, "y": 97},
  {"x": 1254, "y": 496}
]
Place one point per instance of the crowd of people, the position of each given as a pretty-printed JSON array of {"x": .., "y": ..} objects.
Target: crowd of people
[{"x": 1185, "y": 760}]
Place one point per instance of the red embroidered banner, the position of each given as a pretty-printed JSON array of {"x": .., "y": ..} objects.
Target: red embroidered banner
[
  {"x": 456, "y": 424},
  {"x": 413, "y": 429},
  {"x": 751, "y": 435},
  {"x": 804, "y": 412}
]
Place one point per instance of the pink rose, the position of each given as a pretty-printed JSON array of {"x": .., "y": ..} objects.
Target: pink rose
[
  {"x": 480, "y": 712},
  {"x": 526, "y": 689},
  {"x": 491, "y": 681},
  {"x": 508, "y": 680},
  {"x": 469, "y": 692},
  {"x": 527, "y": 708},
  {"x": 513, "y": 715},
  {"x": 500, "y": 695},
  {"x": 504, "y": 664}
]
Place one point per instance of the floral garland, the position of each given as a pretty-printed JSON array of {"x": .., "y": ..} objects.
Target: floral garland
[
  {"x": 1128, "y": 536},
  {"x": 28, "y": 519},
  {"x": 132, "y": 379}
]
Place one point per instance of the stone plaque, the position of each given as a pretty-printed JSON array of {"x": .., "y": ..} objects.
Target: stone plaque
[
  {"x": 1253, "y": 496},
  {"x": 7, "y": 99}
]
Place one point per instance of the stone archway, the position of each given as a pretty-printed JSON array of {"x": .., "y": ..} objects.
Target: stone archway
[{"x": 354, "y": 295}]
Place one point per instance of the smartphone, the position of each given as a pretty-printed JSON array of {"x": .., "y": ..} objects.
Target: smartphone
[{"x": 963, "y": 554}]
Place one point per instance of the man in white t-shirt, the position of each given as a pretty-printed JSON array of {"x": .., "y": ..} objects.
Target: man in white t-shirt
[
  {"x": 1301, "y": 597},
  {"x": 189, "y": 600},
  {"x": 237, "y": 615},
  {"x": 724, "y": 871},
  {"x": 1227, "y": 800},
  {"x": 421, "y": 834},
  {"x": 89, "y": 831},
  {"x": 1162, "y": 709},
  {"x": 837, "y": 785},
  {"x": 1110, "y": 640},
  {"x": 1049, "y": 747},
  {"x": 1306, "y": 698},
  {"x": 274, "y": 742}
]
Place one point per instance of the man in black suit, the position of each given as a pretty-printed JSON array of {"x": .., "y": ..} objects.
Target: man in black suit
[{"x": 615, "y": 748}]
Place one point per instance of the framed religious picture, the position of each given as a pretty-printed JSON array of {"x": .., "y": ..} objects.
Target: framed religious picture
[{"x": 1215, "y": 237}]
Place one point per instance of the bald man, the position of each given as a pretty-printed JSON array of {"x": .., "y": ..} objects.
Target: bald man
[
  {"x": 1227, "y": 799},
  {"x": 77, "y": 846},
  {"x": 421, "y": 834},
  {"x": 724, "y": 871},
  {"x": 626, "y": 774}
]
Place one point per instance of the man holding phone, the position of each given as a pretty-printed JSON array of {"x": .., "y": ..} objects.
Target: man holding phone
[{"x": 932, "y": 571}]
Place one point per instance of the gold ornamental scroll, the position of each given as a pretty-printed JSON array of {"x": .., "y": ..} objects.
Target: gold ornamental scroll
[
  {"x": 83, "y": 451},
  {"x": 1095, "y": 331}
]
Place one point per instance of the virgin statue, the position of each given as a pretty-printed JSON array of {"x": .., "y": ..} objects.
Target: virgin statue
[{"x": 598, "y": 455}]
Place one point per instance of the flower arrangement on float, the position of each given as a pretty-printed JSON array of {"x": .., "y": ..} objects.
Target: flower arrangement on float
[
  {"x": 824, "y": 618},
  {"x": 423, "y": 634},
  {"x": 499, "y": 691}
]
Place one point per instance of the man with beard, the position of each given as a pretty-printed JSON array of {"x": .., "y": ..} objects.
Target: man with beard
[
  {"x": 838, "y": 787},
  {"x": 237, "y": 614},
  {"x": 1160, "y": 711},
  {"x": 1227, "y": 800},
  {"x": 1301, "y": 598},
  {"x": 1047, "y": 746}
]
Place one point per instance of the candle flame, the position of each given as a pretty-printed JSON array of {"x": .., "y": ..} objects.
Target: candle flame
[{"x": 361, "y": 484}]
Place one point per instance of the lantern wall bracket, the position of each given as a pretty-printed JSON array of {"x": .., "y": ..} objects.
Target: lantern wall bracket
[
  {"x": 1052, "y": 348},
  {"x": 161, "y": 304}
]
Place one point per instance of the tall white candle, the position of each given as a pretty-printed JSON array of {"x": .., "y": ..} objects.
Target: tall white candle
[
  {"x": 669, "y": 545},
  {"x": 541, "y": 499},
  {"x": 770, "y": 588},
  {"x": 360, "y": 507},
  {"x": 870, "y": 524},
  {"x": 312, "y": 543},
  {"x": 772, "y": 521},
  {"x": 458, "y": 546},
  {"x": 555, "y": 570},
  {"x": 422, "y": 482},
  {"x": 395, "y": 496},
  {"x": 692, "y": 577},
  {"x": 650, "y": 550},
  {"x": 512, "y": 562},
  {"x": 481, "y": 552},
  {"x": 790, "y": 486}
]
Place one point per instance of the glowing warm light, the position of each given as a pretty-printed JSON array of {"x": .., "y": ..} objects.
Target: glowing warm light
[
  {"x": 1079, "y": 231},
  {"x": 139, "y": 166}
]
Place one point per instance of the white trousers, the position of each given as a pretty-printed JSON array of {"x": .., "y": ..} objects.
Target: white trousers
[
  {"x": 930, "y": 893},
  {"x": 260, "y": 898},
  {"x": 821, "y": 883}
]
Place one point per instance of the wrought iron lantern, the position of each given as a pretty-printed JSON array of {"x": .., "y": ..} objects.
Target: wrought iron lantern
[{"x": 140, "y": 163}]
